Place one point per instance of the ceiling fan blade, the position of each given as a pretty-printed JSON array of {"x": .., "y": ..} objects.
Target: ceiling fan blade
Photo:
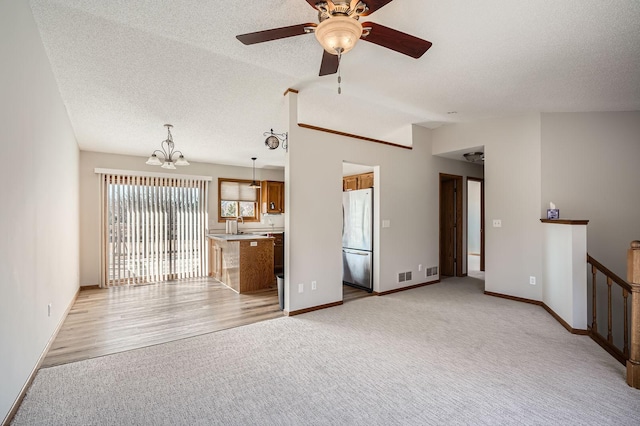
[
  {"x": 329, "y": 63},
  {"x": 274, "y": 34},
  {"x": 374, "y": 5},
  {"x": 396, "y": 40},
  {"x": 313, "y": 3}
]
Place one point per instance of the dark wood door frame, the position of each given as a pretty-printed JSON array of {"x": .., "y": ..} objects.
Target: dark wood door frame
[
  {"x": 481, "y": 219},
  {"x": 459, "y": 228}
]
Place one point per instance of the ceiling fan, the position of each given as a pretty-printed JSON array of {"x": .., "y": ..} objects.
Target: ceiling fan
[{"x": 339, "y": 30}]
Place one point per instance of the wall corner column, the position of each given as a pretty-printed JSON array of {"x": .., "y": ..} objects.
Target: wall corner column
[
  {"x": 564, "y": 265},
  {"x": 292, "y": 128}
]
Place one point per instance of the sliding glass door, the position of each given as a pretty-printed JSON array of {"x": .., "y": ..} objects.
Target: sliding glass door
[{"x": 153, "y": 229}]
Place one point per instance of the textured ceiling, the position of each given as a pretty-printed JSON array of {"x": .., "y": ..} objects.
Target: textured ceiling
[{"x": 125, "y": 68}]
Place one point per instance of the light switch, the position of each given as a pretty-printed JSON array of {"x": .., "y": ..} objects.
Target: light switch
[
  {"x": 386, "y": 223},
  {"x": 497, "y": 223}
]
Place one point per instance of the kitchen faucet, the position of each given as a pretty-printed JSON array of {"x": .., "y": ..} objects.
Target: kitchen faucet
[{"x": 241, "y": 219}]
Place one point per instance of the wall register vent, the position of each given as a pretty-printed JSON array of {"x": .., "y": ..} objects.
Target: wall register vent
[{"x": 404, "y": 276}]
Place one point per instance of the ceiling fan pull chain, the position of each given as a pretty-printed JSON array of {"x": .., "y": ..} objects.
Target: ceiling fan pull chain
[{"x": 339, "y": 77}]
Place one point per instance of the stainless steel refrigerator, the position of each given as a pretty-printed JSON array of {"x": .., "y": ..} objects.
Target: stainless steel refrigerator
[{"x": 357, "y": 238}]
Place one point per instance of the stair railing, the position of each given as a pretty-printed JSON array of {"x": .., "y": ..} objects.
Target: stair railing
[
  {"x": 622, "y": 355},
  {"x": 633, "y": 276}
]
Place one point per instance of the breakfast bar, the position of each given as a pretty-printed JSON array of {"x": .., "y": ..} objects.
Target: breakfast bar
[{"x": 242, "y": 262}]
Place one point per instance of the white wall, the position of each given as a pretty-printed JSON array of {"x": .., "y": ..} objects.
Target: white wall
[
  {"x": 39, "y": 193},
  {"x": 474, "y": 206},
  {"x": 512, "y": 176},
  {"x": 90, "y": 203},
  {"x": 406, "y": 193},
  {"x": 590, "y": 170},
  {"x": 565, "y": 273}
]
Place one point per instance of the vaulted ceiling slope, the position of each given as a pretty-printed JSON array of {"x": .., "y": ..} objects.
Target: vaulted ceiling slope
[{"x": 126, "y": 68}]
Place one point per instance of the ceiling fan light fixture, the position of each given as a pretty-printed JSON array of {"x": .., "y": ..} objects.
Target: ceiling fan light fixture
[
  {"x": 338, "y": 34},
  {"x": 474, "y": 157}
]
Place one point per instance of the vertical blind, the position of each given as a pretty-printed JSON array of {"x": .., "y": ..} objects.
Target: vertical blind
[{"x": 153, "y": 229}]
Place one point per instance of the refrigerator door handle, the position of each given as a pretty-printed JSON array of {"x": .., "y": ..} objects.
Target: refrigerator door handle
[{"x": 356, "y": 253}]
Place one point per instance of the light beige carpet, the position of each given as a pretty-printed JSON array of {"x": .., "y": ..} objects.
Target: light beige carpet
[{"x": 441, "y": 354}]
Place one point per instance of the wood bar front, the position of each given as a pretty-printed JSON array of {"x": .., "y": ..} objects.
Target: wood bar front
[{"x": 243, "y": 265}]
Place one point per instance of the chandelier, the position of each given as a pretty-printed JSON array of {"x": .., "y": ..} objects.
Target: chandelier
[{"x": 168, "y": 153}]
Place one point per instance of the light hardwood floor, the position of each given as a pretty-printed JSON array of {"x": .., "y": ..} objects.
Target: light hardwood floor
[
  {"x": 351, "y": 293},
  {"x": 107, "y": 321}
]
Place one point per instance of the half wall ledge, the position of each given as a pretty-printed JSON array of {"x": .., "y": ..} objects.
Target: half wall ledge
[{"x": 565, "y": 221}]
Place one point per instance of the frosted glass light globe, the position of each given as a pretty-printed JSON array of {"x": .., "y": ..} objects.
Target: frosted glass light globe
[{"x": 338, "y": 32}]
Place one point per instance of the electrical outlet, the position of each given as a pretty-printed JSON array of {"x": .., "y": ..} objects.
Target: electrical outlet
[
  {"x": 497, "y": 223},
  {"x": 532, "y": 280},
  {"x": 49, "y": 310},
  {"x": 301, "y": 288},
  {"x": 314, "y": 285}
]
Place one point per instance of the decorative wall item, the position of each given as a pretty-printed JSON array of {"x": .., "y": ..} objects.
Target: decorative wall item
[{"x": 273, "y": 140}]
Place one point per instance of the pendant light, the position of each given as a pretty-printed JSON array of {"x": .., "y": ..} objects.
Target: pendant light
[
  {"x": 168, "y": 153},
  {"x": 254, "y": 184}
]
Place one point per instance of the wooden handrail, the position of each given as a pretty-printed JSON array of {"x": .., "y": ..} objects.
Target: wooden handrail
[
  {"x": 607, "y": 272},
  {"x": 630, "y": 353},
  {"x": 622, "y": 355}
]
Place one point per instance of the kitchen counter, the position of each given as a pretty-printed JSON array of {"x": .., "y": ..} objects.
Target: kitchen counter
[
  {"x": 237, "y": 237},
  {"x": 242, "y": 262}
]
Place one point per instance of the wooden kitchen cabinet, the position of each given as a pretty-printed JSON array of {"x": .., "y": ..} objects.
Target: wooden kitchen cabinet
[
  {"x": 349, "y": 183},
  {"x": 365, "y": 180},
  {"x": 361, "y": 181},
  {"x": 272, "y": 196},
  {"x": 278, "y": 253}
]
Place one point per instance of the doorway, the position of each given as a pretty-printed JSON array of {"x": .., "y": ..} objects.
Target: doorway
[
  {"x": 451, "y": 229},
  {"x": 358, "y": 231},
  {"x": 475, "y": 225}
]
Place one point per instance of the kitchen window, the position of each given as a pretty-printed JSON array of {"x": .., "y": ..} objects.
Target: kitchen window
[{"x": 237, "y": 199}]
